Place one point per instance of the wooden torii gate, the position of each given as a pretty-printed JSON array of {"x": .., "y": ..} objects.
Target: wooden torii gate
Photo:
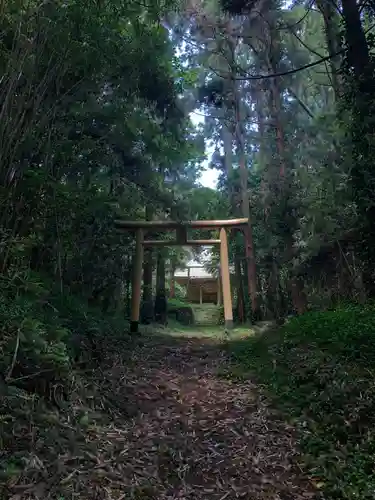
[{"x": 181, "y": 229}]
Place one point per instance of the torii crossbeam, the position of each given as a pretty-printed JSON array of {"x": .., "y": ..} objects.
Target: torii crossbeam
[{"x": 181, "y": 229}]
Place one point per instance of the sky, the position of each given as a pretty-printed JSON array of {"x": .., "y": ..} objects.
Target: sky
[{"x": 210, "y": 176}]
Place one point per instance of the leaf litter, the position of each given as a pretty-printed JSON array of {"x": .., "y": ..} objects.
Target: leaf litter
[{"x": 158, "y": 423}]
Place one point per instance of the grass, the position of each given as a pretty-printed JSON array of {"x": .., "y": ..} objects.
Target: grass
[
  {"x": 319, "y": 370},
  {"x": 176, "y": 329}
]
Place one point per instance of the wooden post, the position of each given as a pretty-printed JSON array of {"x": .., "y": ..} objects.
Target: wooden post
[
  {"x": 227, "y": 297},
  {"x": 218, "y": 291},
  {"x": 200, "y": 295},
  {"x": 137, "y": 281}
]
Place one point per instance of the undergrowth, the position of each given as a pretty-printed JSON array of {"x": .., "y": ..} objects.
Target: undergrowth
[
  {"x": 319, "y": 369},
  {"x": 48, "y": 339},
  {"x": 45, "y": 329}
]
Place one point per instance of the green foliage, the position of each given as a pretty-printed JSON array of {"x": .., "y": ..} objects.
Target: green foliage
[
  {"x": 319, "y": 370},
  {"x": 46, "y": 333},
  {"x": 30, "y": 345},
  {"x": 237, "y": 7},
  {"x": 358, "y": 119},
  {"x": 93, "y": 129},
  {"x": 176, "y": 302},
  {"x": 181, "y": 311},
  {"x": 180, "y": 292},
  {"x": 212, "y": 93}
]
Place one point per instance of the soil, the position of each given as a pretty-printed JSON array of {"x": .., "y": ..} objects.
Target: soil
[{"x": 161, "y": 423}]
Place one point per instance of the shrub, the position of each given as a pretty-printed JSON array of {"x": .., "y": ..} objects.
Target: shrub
[
  {"x": 45, "y": 333},
  {"x": 33, "y": 352},
  {"x": 319, "y": 370}
]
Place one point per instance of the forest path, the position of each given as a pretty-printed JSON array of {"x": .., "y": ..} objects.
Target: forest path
[{"x": 190, "y": 434}]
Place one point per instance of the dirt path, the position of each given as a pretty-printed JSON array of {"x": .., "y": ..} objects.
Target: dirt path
[
  {"x": 167, "y": 427},
  {"x": 193, "y": 435}
]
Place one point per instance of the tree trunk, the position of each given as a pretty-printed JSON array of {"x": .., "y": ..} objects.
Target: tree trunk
[
  {"x": 274, "y": 302},
  {"x": 245, "y": 205},
  {"x": 282, "y": 185},
  {"x": 147, "y": 302},
  {"x": 147, "y": 275},
  {"x": 298, "y": 295},
  {"x": 240, "y": 291},
  {"x": 258, "y": 97},
  {"x": 332, "y": 33},
  {"x": 128, "y": 287},
  {"x": 160, "y": 308},
  {"x": 172, "y": 291},
  {"x": 358, "y": 50},
  {"x": 227, "y": 138},
  {"x": 363, "y": 112},
  {"x": 233, "y": 110}
]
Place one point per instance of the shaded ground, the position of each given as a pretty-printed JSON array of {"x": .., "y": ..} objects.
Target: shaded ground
[{"x": 162, "y": 424}]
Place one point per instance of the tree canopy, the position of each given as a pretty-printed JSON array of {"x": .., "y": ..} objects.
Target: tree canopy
[{"x": 97, "y": 123}]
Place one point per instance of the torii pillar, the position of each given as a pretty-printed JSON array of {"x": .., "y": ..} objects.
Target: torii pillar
[{"x": 225, "y": 278}]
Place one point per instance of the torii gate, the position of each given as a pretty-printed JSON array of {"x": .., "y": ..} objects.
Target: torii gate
[{"x": 181, "y": 240}]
